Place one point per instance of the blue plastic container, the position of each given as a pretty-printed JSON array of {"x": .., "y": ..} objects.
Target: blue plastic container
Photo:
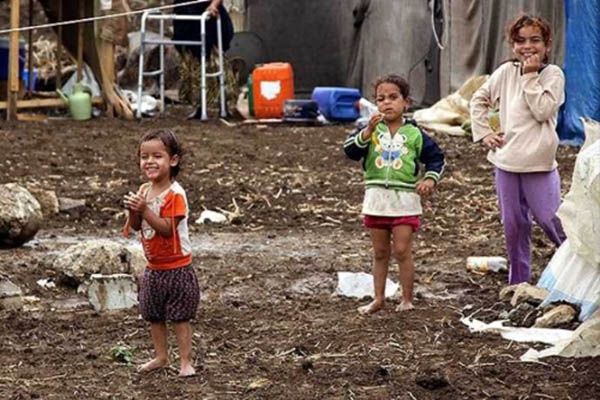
[
  {"x": 337, "y": 103},
  {"x": 4, "y": 47}
]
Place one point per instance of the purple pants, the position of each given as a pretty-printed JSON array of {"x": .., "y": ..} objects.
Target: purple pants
[{"x": 520, "y": 196}]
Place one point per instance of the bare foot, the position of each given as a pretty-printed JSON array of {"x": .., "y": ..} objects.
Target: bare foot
[
  {"x": 154, "y": 364},
  {"x": 187, "y": 371},
  {"x": 371, "y": 308},
  {"x": 405, "y": 306}
]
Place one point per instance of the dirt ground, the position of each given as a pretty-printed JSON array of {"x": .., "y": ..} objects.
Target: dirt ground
[{"x": 268, "y": 326}]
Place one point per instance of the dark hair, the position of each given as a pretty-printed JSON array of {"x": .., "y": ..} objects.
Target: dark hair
[
  {"x": 395, "y": 80},
  {"x": 174, "y": 148},
  {"x": 523, "y": 20}
]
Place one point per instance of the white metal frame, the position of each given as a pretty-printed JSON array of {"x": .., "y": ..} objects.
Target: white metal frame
[{"x": 150, "y": 15}]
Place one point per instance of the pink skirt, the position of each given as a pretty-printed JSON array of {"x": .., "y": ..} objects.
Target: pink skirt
[{"x": 377, "y": 222}]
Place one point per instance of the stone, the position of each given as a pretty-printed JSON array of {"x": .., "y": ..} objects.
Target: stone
[
  {"x": 313, "y": 285},
  {"x": 507, "y": 292},
  {"x": 11, "y": 296},
  {"x": 560, "y": 315},
  {"x": 47, "y": 199},
  {"x": 531, "y": 294},
  {"x": 112, "y": 292},
  {"x": 524, "y": 315},
  {"x": 80, "y": 261},
  {"x": 73, "y": 207},
  {"x": 138, "y": 261},
  {"x": 20, "y": 215},
  {"x": 71, "y": 304}
]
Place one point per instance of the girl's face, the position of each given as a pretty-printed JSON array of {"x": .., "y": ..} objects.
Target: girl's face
[
  {"x": 155, "y": 161},
  {"x": 529, "y": 42},
  {"x": 390, "y": 101}
]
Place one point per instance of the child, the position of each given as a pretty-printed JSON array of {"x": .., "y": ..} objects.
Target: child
[
  {"x": 390, "y": 148},
  {"x": 169, "y": 288},
  {"x": 529, "y": 92}
]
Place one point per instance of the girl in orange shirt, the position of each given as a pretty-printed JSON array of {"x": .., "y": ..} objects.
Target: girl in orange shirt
[{"x": 169, "y": 288}]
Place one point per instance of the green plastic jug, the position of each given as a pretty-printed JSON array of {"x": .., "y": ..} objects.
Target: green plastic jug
[{"x": 80, "y": 101}]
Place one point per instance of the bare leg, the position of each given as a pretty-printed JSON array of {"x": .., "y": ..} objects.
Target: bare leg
[
  {"x": 158, "y": 331},
  {"x": 402, "y": 250},
  {"x": 381, "y": 257},
  {"x": 183, "y": 332}
]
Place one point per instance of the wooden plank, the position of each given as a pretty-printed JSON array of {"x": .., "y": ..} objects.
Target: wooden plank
[
  {"x": 46, "y": 103},
  {"x": 13, "y": 62},
  {"x": 80, "y": 42},
  {"x": 59, "y": 47}
]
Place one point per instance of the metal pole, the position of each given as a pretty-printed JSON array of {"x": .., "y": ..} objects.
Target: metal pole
[
  {"x": 204, "y": 116},
  {"x": 162, "y": 66},
  {"x": 141, "y": 65},
  {"x": 221, "y": 69}
]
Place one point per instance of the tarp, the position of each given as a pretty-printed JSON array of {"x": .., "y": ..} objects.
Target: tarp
[
  {"x": 582, "y": 68},
  {"x": 351, "y": 42}
]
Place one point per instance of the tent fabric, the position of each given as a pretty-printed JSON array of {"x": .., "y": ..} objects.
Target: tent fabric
[
  {"x": 474, "y": 36},
  {"x": 582, "y": 69},
  {"x": 389, "y": 37}
]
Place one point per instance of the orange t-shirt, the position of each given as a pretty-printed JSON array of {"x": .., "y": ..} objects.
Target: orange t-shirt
[{"x": 165, "y": 253}]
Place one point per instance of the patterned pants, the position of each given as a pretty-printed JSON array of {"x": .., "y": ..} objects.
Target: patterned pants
[{"x": 170, "y": 295}]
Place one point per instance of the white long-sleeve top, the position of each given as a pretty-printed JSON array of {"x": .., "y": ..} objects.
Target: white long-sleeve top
[{"x": 528, "y": 108}]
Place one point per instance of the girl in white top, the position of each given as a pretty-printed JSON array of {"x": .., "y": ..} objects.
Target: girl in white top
[{"x": 528, "y": 92}]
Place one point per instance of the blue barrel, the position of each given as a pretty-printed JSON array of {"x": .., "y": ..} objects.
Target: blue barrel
[
  {"x": 4, "y": 50},
  {"x": 337, "y": 103}
]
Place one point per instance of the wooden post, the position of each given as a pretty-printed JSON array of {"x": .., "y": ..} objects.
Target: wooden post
[
  {"x": 80, "y": 42},
  {"x": 30, "y": 82},
  {"x": 13, "y": 63},
  {"x": 59, "y": 47}
]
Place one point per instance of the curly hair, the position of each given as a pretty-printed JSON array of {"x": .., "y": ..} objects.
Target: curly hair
[
  {"x": 395, "y": 80},
  {"x": 172, "y": 144},
  {"x": 523, "y": 20}
]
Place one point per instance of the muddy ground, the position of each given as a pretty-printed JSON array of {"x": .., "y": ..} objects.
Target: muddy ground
[{"x": 268, "y": 326}]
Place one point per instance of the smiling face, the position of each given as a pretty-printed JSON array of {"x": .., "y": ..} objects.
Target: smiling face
[
  {"x": 529, "y": 41},
  {"x": 390, "y": 101},
  {"x": 155, "y": 161}
]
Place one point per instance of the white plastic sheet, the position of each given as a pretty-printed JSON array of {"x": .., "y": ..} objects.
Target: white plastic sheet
[{"x": 360, "y": 284}]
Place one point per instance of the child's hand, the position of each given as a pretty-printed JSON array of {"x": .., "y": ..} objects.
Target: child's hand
[
  {"x": 373, "y": 121},
  {"x": 213, "y": 9},
  {"x": 494, "y": 141},
  {"x": 135, "y": 202},
  {"x": 532, "y": 64},
  {"x": 425, "y": 187}
]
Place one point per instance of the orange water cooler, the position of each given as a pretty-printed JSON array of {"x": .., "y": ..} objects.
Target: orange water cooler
[{"x": 272, "y": 85}]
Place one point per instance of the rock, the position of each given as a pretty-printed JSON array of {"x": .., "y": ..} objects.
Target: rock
[
  {"x": 20, "y": 215},
  {"x": 432, "y": 380},
  {"x": 523, "y": 315},
  {"x": 313, "y": 285},
  {"x": 138, "y": 261},
  {"x": 560, "y": 315},
  {"x": 47, "y": 199},
  {"x": 11, "y": 296},
  {"x": 73, "y": 207},
  {"x": 112, "y": 292},
  {"x": 531, "y": 294},
  {"x": 71, "y": 304},
  {"x": 507, "y": 292},
  {"x": 80, "y": 261}
]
